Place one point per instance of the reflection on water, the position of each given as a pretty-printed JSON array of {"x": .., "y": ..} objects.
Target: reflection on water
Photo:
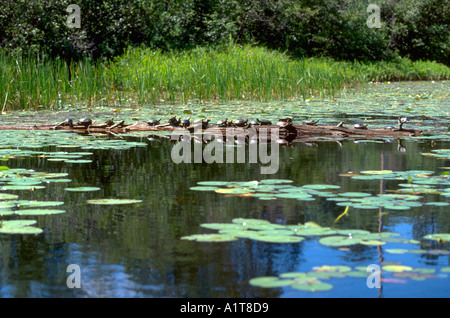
[{"x": 136, "y": 251}]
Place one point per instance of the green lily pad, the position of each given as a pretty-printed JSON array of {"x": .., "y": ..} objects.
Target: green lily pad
[
  {"x": 7, "y": 196},
  {"x": 82, "y": 189},
  {"x": 355, "y": 194},
  {"x": 19, "y": 227},
  {"x": 203, "y": 188},
  {"x": 23, "y": 187},
  {"x": 332, "y": 268},
  {"x": 39, "y": 212},
  {"x": 210, "y": 238},
  {"x": 223, "y": 226},
  {"x": 21, "y": 230},
  {"x": 313, "y": 287},
  {"x": 269, "y": 282},
  {"x": 113, "y": 201},
  {"x": 40, "y": 203},
  {"x": 275, "y": 181},
  {"x": 441, "y": 237},
  {"x": 321, "y": 186},
  {"x": 396, "y": 268},
  {"x": 338, "y": 241},
  {"x": 438, "y": 203},
  {"x": 213, "y": 183}
]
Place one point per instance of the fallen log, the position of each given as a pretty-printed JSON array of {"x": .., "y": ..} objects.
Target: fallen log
[
  {"x": 294, "y": 132},
  {"x": 291, "y": 133}
]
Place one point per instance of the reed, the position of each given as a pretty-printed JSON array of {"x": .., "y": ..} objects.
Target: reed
[{"x": 147, "y": 77}]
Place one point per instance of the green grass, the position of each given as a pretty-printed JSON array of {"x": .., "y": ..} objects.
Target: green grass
[{"x": 147, "y": 77}]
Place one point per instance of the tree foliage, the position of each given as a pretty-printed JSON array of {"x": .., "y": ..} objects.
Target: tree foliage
[{"x": 333, "y": 28}]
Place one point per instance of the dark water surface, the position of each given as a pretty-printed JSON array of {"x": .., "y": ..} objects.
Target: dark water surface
[{"x": 136, "y": 251}]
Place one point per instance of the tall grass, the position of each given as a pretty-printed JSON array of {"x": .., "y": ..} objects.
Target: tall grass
[{"x": 148, "y": 77}]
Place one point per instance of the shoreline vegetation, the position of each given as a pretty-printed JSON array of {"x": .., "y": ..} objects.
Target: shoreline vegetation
[{"x": 148, "y": 77}]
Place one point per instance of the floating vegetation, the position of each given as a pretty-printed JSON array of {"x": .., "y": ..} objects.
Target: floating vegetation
[
  {"x": 38, "y": 212},
  {"x": 19, "y": 227},
  {"x": 82, "y": 189},
  {"x": 113, "y": 201},
  {"x": 262, "y": 230},
  {"x": 313, "y": 281},
  {"x": 403, "y": 199}
]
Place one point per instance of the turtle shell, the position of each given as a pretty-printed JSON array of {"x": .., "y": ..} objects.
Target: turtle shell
[
  {"x": 360, "y": 126},
  {"x": 153, "y": 122},
  {"x": 240, "y": 122},
  {"x": 205, "y": 123},
  {"x": 311, "y": 122},
  {"x": 85, "y": 121},
  {"x": 222, "y": 123},
  {"x": 185, "y": 123},
  {"x": 264, "y": 122},
  {"x": 254, "y": 122},
  {"x": 174, "y": 121},
  {"x": 68, "y": 122},
  {"x": 284, "y": 124}
]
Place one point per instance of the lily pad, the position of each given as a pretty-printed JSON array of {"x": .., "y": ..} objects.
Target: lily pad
[
  {"x": 7, "y": 196},
  {"x": 316, "y": 286},
  {"x": 440, "y": 237},
  {"x": 82, "y": 189},
  {"x": 270, "y": 282},
  {"x": 210, "y": 238},
  {"x": 396, "y": 268},
  {"x": 19, "y": 227},
  {"x": 39, "y": 212},
  {"x": 355, "y": 194},
  {"x": 339, "y": 241},
  {"x": 113, "y": 201},
  {"x": 321, "y": 186}
]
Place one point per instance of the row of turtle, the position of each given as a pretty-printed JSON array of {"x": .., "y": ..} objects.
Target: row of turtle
[
  {"x": 184, "y": 123},
  {"x": 282, "y": 123}
]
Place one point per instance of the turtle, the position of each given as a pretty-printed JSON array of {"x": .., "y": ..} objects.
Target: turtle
[
  {"x": 264, "y": 122},
  {"x": 360, "y": 126},
  {"x": 174, "y": 121},
  {"x": 311, "y": 122},
  {"x": 109, "y": 122},
  {"x": 153, "y": 122},
  {"x": 401, "y": 121},
  {"x": 223, "y": 123},
  {"x": 68, "y": 122},
  {"x": 85, "y": 121},
  {"x": 389, "y": 127},
  {"x": 205, "y": 123},
  {"x": 254, "y": 122},
  {"x": 185, "y": 123},
  {"x": 240, "y": 123},
  {"x": 285, "y": 123}
]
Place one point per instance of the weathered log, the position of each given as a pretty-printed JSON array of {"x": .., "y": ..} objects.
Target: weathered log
[{"x": 296, "y": 131}]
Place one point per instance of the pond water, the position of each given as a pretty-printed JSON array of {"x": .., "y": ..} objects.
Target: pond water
[{"x": 140, "y": 249}]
